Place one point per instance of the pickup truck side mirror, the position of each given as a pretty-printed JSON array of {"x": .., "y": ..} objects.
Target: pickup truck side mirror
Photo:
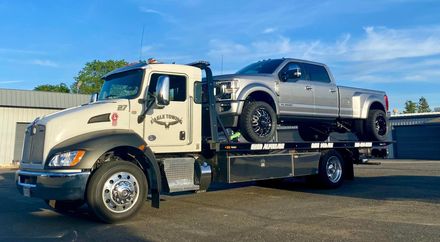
[
  {"x": 294, "y": 74},
  {"x": 291, "y": 74},
  {"x": 163, "y": 91}
]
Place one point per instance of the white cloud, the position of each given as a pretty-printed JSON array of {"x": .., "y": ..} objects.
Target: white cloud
[
  {"x": 377, "y": 44},
  {"x": 47, "y": 63},
  {"x": 149, "y": 10},
  {"x": 146, "y": 48},
  {"x": 163, "y": 15},
  {"x": 21, "y": 51},
  {"x": 10, "y": 82},
  {"x": 380, "y": 55},
  {"x": 269, "y": 30},
  {"x": 224, "y": 47},
  {"x": 382, "y": 43}
]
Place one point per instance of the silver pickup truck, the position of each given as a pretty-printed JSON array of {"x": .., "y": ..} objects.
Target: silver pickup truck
[{"x": 297, "y": 92}]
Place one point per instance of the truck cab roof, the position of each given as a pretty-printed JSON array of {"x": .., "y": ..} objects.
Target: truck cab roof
[{"x": 158, "y": 66}]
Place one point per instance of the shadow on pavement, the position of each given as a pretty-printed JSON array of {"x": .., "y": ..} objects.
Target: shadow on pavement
[
  {"x": 30, "y": 219},
  {"x": 415, "y": 188}
]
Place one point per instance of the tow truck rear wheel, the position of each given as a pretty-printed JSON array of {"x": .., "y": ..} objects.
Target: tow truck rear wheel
[
  {"x": 331, "y": 170},
  {"x": 116, "y": 191}
]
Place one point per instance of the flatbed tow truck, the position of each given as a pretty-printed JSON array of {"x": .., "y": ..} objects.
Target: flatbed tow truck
[{"x": 162, "y": 135}]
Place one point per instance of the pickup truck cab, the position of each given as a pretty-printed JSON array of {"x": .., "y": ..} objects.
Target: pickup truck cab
[{"x": 290, "y": 91}]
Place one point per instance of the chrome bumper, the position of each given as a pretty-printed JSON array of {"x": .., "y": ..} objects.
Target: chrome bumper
[{"x": 52, "y": 185}]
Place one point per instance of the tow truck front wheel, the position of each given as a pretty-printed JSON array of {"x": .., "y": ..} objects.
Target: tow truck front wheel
[{"x": 116, "y": 191}]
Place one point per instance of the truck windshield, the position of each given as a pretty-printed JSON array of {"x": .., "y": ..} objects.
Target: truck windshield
[
  {"x": 261, "y": 67},
  {"x": 122, "y": 85}
]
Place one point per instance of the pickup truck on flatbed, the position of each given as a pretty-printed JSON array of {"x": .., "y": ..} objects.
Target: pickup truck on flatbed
[{"x": 290, "y": 91}]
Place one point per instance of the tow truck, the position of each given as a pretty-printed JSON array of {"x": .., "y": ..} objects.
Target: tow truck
[{"x": 155, "y": 129}]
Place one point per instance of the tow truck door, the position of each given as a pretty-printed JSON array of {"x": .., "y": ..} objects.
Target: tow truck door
[{"x": 170, "y": 125}]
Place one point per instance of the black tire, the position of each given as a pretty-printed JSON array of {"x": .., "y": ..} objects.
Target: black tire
[
  {"x": 258, "y": 122},
  {"x": 63, "y": 206},
  {"x": 311, "y": 133},
  {"x": 375, "y": 126},
  {"x": 104, "y": 184},
  {"x": 331, "y": 170}
]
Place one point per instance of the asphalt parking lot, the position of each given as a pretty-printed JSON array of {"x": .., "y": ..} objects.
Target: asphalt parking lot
[{"x": 397, "y": 200}]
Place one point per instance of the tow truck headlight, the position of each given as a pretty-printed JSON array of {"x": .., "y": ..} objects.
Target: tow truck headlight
[{"x": 66, "y": 159}]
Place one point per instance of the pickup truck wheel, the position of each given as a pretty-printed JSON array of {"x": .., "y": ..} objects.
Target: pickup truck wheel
[
  {"x": 116, "y": 191},
  {"x": 376, "y": 125},
  {"x": 65, "y": 205},
  {"x": 310, "y": 133},
  {"x": 258, "y": 122},
  {"x": 331, "y": 170}
]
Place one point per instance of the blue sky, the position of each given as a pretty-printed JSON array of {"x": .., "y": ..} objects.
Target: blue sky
[{"x": 392, "y": 45}]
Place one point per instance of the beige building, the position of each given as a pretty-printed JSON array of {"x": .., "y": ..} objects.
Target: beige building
[{"x": 18, "y": 108}]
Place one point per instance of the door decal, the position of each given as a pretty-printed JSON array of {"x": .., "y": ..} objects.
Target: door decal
[{"x": 166, "y": 120}]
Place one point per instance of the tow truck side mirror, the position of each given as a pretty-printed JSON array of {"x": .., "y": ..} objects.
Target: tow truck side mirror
[
  {"x": 94, "y": 97},
  {"x": 163, "y": 91}
]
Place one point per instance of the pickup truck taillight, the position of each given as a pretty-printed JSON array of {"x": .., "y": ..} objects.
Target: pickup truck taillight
[{"x": 387, "y": 104}]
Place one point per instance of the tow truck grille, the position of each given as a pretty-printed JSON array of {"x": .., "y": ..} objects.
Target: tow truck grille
[{"x": 33, "y": 144}]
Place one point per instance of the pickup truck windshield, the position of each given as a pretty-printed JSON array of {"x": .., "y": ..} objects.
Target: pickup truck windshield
[
  {"x": 261, "y": 67},
  {"x": 122, "y": 85}
]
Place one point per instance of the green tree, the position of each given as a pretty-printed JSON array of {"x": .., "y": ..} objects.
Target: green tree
[
  {"x": 89, "y": 79},
  {"x": 410, "y": 107},
  {"x": 62, "y": 87},
  {"x": 423, "y": 106}
]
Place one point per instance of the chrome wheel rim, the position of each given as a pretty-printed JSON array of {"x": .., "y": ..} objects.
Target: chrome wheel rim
[
  {"x": 381, "y": 125},
  {"x": 261, "y": 122},
  {"x": 120, "y": 192},
  {"x": 334, "y": 169}
]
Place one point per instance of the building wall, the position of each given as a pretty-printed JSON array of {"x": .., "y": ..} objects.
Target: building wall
[
  {"x": 417, "y": 136},
  {"x": 9, "y": 117}
]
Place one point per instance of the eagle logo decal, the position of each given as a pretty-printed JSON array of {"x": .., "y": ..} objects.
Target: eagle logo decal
[{"x": 166, "y": 120}]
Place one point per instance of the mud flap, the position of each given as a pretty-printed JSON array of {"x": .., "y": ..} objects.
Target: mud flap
[{"x": 154, "y": 177}]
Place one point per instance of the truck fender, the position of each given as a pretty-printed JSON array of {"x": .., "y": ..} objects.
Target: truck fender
[
  {"x": 368, "y": 102},
  {"x": 252, "y": 88},
  {"x": 95, "y": 144}
]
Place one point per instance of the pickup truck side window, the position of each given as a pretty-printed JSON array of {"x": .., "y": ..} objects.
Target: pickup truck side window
[
  {"x": 292, "y": 72},
  {"x": 317, "y": 73},
  {"x": 177, "y": 86}
]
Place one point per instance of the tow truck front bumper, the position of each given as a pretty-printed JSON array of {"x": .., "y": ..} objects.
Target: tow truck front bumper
[{"x": 52, "y": 185}]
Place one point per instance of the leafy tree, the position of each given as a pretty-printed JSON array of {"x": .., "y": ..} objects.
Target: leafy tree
[
  {"x": 423, "y": 106},
  {"x": 62, "y": 87},
  {"x": 89, "y": 79},
  {"x": 410, "y": 107}
]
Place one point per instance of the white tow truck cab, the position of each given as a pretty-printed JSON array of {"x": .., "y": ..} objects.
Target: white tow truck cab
[{"x": 154, "y": 129}]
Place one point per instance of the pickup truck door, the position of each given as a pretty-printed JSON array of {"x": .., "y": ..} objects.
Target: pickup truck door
[
  {"x": 296, "y": 92},
  {"x": 170, "y": 125},
  {"x": 325, "y": 91}
]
